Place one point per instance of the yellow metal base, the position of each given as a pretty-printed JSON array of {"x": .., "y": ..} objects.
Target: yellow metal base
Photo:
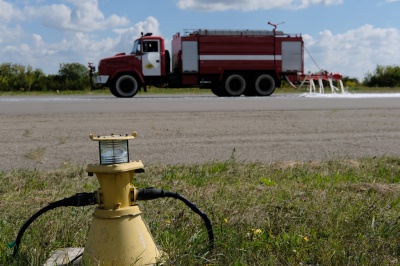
[
  {"x": 118, "y": 235},
  {"x": 121, "y": 240}
]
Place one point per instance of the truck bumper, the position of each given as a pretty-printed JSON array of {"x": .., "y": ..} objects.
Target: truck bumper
[{"x": 101, "y": 79}]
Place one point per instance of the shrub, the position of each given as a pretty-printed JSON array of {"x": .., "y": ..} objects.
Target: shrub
[
  {"x": 16, "y": 77},
  {"x": 73, "y": 76},
  {"x": 384, "y": 76}
]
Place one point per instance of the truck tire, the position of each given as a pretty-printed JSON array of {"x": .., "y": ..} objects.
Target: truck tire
[
  {"x": 113, "y": 92},
  {"x": 126, "y": 86},
  {"x": 218, "y": 90},
  {"x": 264, "y": 85},
  {"x": 235, "y": 85},
  {"x": 250, "y": 90}
]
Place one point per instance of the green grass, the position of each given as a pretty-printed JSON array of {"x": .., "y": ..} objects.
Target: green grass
[
  {"x": 51, "y": 93},
  {"x": 353, "y": 90},
  {"x": 156, "y": 91},
  {"x": 341, "y": 212},
  {"x": 106, "y": 91}
]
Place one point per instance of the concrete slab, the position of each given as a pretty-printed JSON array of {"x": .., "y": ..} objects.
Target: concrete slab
[{"x": 64, "y": 256}]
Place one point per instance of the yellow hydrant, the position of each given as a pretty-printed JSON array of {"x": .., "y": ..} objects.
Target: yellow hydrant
[{"x": 118, "y": 234}]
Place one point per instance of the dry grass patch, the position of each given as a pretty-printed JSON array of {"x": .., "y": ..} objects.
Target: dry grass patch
[{"x": 36, "y": 155}]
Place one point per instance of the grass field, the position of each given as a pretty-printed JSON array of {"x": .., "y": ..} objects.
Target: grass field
[
  {"x": 342, "y": 212},
  {"x": 153, "y": 90}
]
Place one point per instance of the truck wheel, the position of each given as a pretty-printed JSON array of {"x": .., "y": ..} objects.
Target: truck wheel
[
  {"x": 218, "y": 90},
  {"x": 265, "y": 85},
  {"x": 235, "y": 85},
  {"x": 113, "y": 91},
  {"x": 126, "y": 86},
  {"x": 250, "y": 90}
]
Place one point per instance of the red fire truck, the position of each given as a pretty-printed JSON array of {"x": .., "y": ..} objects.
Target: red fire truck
[{"x": 229, "y": 62}]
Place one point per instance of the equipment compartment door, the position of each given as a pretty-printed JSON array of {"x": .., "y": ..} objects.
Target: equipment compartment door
[
  {"x": 292, "y": 57},
  {"x": 151, "y": 63},
  {"x": 190, "y": 57}
]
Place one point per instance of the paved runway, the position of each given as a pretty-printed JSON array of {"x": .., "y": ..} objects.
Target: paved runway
[
  {"x": 199, "y": 103},
  {"x": 48, "y": 132}
]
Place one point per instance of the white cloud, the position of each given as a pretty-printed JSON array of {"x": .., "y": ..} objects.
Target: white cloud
[
  {"x": 80, "y": 47},
  {"x": 8, "y": 12},
  {"x": 151, "y": 24},
  {"x": 78, "y": 16},
  {"x": 128, "y": 35},
  {"x": 82, "y": 16},
  {"x": 354, "y": 52},
  {"x": 73, "y": 22},
  {"x": 10, "y": 34},
  {"x": 248, "y": 5}
]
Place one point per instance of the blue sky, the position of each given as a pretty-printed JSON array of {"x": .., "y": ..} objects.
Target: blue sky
[{"x": 346, "y": 36}]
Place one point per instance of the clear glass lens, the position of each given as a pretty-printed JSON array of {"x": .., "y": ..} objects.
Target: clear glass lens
[{"x": 114, "y": 151}]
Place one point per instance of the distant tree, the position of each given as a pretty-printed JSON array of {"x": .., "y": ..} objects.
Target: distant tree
[
  {"x": 5, "y": 76},
  {"x": 350, "y": 82},
  {"x": 73, "y": 76},
  {"x": 15, "y": 77},
  {"x": 37, "y": 80},
  {"x": 19, "y": 78},
  {"x": 53, "y": 83},
  {"x": 384, "y": 76}
]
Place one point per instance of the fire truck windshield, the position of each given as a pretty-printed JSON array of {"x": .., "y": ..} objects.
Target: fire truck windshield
[{"x": 136, "y": 47}]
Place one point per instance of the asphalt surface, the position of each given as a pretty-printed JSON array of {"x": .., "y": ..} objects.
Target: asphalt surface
[{"x": 52, "y": 131}]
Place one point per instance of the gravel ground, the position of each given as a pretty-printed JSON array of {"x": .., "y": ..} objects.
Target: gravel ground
[{"x": 52, "y": 140}]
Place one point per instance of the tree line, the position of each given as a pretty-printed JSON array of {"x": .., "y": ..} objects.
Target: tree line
[
  {"x": 16, "y": 77},
  {"x": 383, "y": 76},
  {"x": 74, "y": 76}
]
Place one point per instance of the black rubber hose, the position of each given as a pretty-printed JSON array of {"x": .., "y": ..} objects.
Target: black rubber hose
[
  {"x": 151, "y": 193},
  {"x": 78, "y": 200}
]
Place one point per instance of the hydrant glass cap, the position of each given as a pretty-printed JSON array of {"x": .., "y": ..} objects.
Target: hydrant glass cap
[{"x": 113, "y": 151}]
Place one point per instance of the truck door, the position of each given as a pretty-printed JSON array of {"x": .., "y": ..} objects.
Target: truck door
[{"x": 151, "y": 64}]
